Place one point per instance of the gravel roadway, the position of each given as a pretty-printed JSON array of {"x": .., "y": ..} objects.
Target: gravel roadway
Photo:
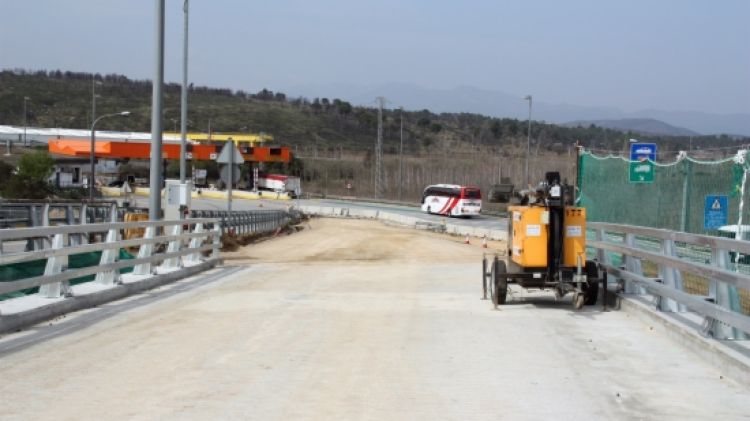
[{"x": 358, "y": 320}]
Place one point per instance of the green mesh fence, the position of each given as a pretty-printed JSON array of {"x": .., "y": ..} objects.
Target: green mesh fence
[{"x": 675, "y": 200}]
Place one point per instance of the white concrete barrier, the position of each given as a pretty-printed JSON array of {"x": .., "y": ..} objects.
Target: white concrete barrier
[{"x": 404, "y": 220}]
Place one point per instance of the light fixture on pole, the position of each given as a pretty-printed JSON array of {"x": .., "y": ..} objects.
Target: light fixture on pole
[
  {"x": 528, "y": 143},
  {"x": 25, "y": 99},
  {"x": 93, "y": 143}
]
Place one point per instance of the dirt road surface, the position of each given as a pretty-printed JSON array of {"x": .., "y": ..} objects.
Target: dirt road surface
[{"x": 356, "y": 320}]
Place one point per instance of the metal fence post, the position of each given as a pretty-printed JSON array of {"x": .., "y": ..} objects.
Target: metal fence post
[
  {"x": 146, "y": 250},
  {"x": 110, "y": 255},
  {"x": 670, "y": 277},
  {"x": 632, "y": 264},
  {"x": 724, "y": 295},
  {"x": 173, "y": 247},
  {"x": 54, "y": 266},
  {"x": 195, "y": 243},
  {"x": 216, "y": 242}
]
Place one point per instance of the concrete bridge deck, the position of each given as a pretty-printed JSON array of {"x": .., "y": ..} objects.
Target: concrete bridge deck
[{"x": 354, "y": 320}]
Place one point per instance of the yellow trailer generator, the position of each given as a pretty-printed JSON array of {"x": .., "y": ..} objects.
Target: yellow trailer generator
[{"x": 546, "y": 248}]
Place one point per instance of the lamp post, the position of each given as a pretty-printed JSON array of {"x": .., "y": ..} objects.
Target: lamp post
[
  {"x": 94, "y": 82},
  {"x": 528, "y": 142},
  {"x": 25, "y": 99},
  {"x": 157, "y": 108},
  {"x": 93, "y": 142},
  {"x": 401, "y": 157},
  {"x": 183, "y": 100}
]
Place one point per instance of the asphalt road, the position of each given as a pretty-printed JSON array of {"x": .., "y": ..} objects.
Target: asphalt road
[{"x": 352, "y": 319}]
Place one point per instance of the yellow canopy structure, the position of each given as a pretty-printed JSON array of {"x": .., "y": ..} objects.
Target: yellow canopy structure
[{"x": 238, "y": 138}]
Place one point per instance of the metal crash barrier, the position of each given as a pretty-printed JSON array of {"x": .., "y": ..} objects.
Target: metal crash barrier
[
  {"x": 165, "y": 246},
  {"x": 682, "y": 271},
  {"x": 248, "y": 222}
]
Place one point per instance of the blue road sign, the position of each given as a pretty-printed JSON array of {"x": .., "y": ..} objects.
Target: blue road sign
[
  {"x": 643, "y": 151},
  {"x": 715, "y": 212}
]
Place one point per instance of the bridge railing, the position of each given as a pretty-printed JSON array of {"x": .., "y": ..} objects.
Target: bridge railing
[
  {"x": 248, "y": 222},
  {"x": 162, "y": 246},
  {"x": 683, "y": 271},
  {"x": 30, "y": 213}
]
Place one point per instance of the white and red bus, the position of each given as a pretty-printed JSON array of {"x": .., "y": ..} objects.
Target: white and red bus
[
  {"x": 280, "y": 184},
  {"x": 452, "y": 200}
]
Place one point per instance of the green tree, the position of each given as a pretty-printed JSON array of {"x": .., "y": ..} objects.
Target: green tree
[
  {"x": 344, "y": 108},
  {"x": 30, "y": 181},
  {"x": 35, "y": 166}
]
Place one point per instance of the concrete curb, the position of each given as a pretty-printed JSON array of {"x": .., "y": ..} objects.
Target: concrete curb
[
  {"x": 16, "y": 321},
  {"x": 732, "y": 363}
]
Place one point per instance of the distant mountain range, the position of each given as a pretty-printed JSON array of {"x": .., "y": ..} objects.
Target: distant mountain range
[
  {"x": 500, "y": 104},
  {"x": 646, "y": 126}
]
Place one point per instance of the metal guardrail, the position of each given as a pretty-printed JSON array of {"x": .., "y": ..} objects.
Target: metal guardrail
[
  {"x": 18, "y": 213},
  {"x": 721, "y": 309},
  {"x": 248, "y": 222},
  {"x": 171, "y": 244}
]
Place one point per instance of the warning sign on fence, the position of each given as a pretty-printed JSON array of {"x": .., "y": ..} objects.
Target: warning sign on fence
[{"x": 715, "y": 211}]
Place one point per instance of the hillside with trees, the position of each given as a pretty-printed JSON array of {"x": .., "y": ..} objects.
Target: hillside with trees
[{"x": 334, "y": 139}]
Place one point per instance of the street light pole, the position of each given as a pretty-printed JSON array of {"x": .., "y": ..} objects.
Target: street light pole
[
  {"x": 401, "y": 157},
  {"x": 183, "y": 114},
  {"x": 528, "y": 142},
  {"x": 93, "y": 143},
  {"x": 25, "y": 99},
  {"x": 157, "y": 106},
  {"x": 93, "y": 98}
]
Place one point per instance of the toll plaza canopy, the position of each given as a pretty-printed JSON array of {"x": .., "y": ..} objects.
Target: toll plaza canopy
[
  {"x": 142, "y": 150},
  {"x": 237, "y": 138}
]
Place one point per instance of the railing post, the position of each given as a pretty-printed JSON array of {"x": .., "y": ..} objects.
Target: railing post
[
  {"x": 173, "y": 247},
  {"x": 113, "y": 216},
  {"x": 54, "y": 266},
  {"x": 195, "y": 243},
  {"x": 670, "y": 277},
  {"x": 110, "y": 255},
  {"x": 144, "y": 251},
  {"x": 83, "y": 215},
  {"x": 632, "y": 264},
  {"x": 723, "y": 295},
  {"x": 216, "y": 241}
]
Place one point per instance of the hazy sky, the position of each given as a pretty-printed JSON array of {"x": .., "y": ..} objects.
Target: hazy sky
[{"x": 630, "y": 54}]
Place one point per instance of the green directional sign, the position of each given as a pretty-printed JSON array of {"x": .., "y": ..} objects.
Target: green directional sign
[{"x": 642, "y": 171}]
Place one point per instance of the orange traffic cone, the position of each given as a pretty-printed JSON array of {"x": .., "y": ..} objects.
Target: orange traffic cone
[
  {"x": 484, "y": 242},
  {"x": 466, "y": 241}
]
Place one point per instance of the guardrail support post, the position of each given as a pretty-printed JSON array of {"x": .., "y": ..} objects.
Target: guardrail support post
[
  {"x": 632, "y": 264},
  {"x": 173, "y": 247},
  {"x": 670, "y": 277},
  {"x": 195, "y": 243},
  {"x": 146, "y": 250},
  {"x": 217, "y": 241},
  {"x": 54, "y": 266},
  {"x": 110, "y": 255},
  {"x": 724, "y": 295}
]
